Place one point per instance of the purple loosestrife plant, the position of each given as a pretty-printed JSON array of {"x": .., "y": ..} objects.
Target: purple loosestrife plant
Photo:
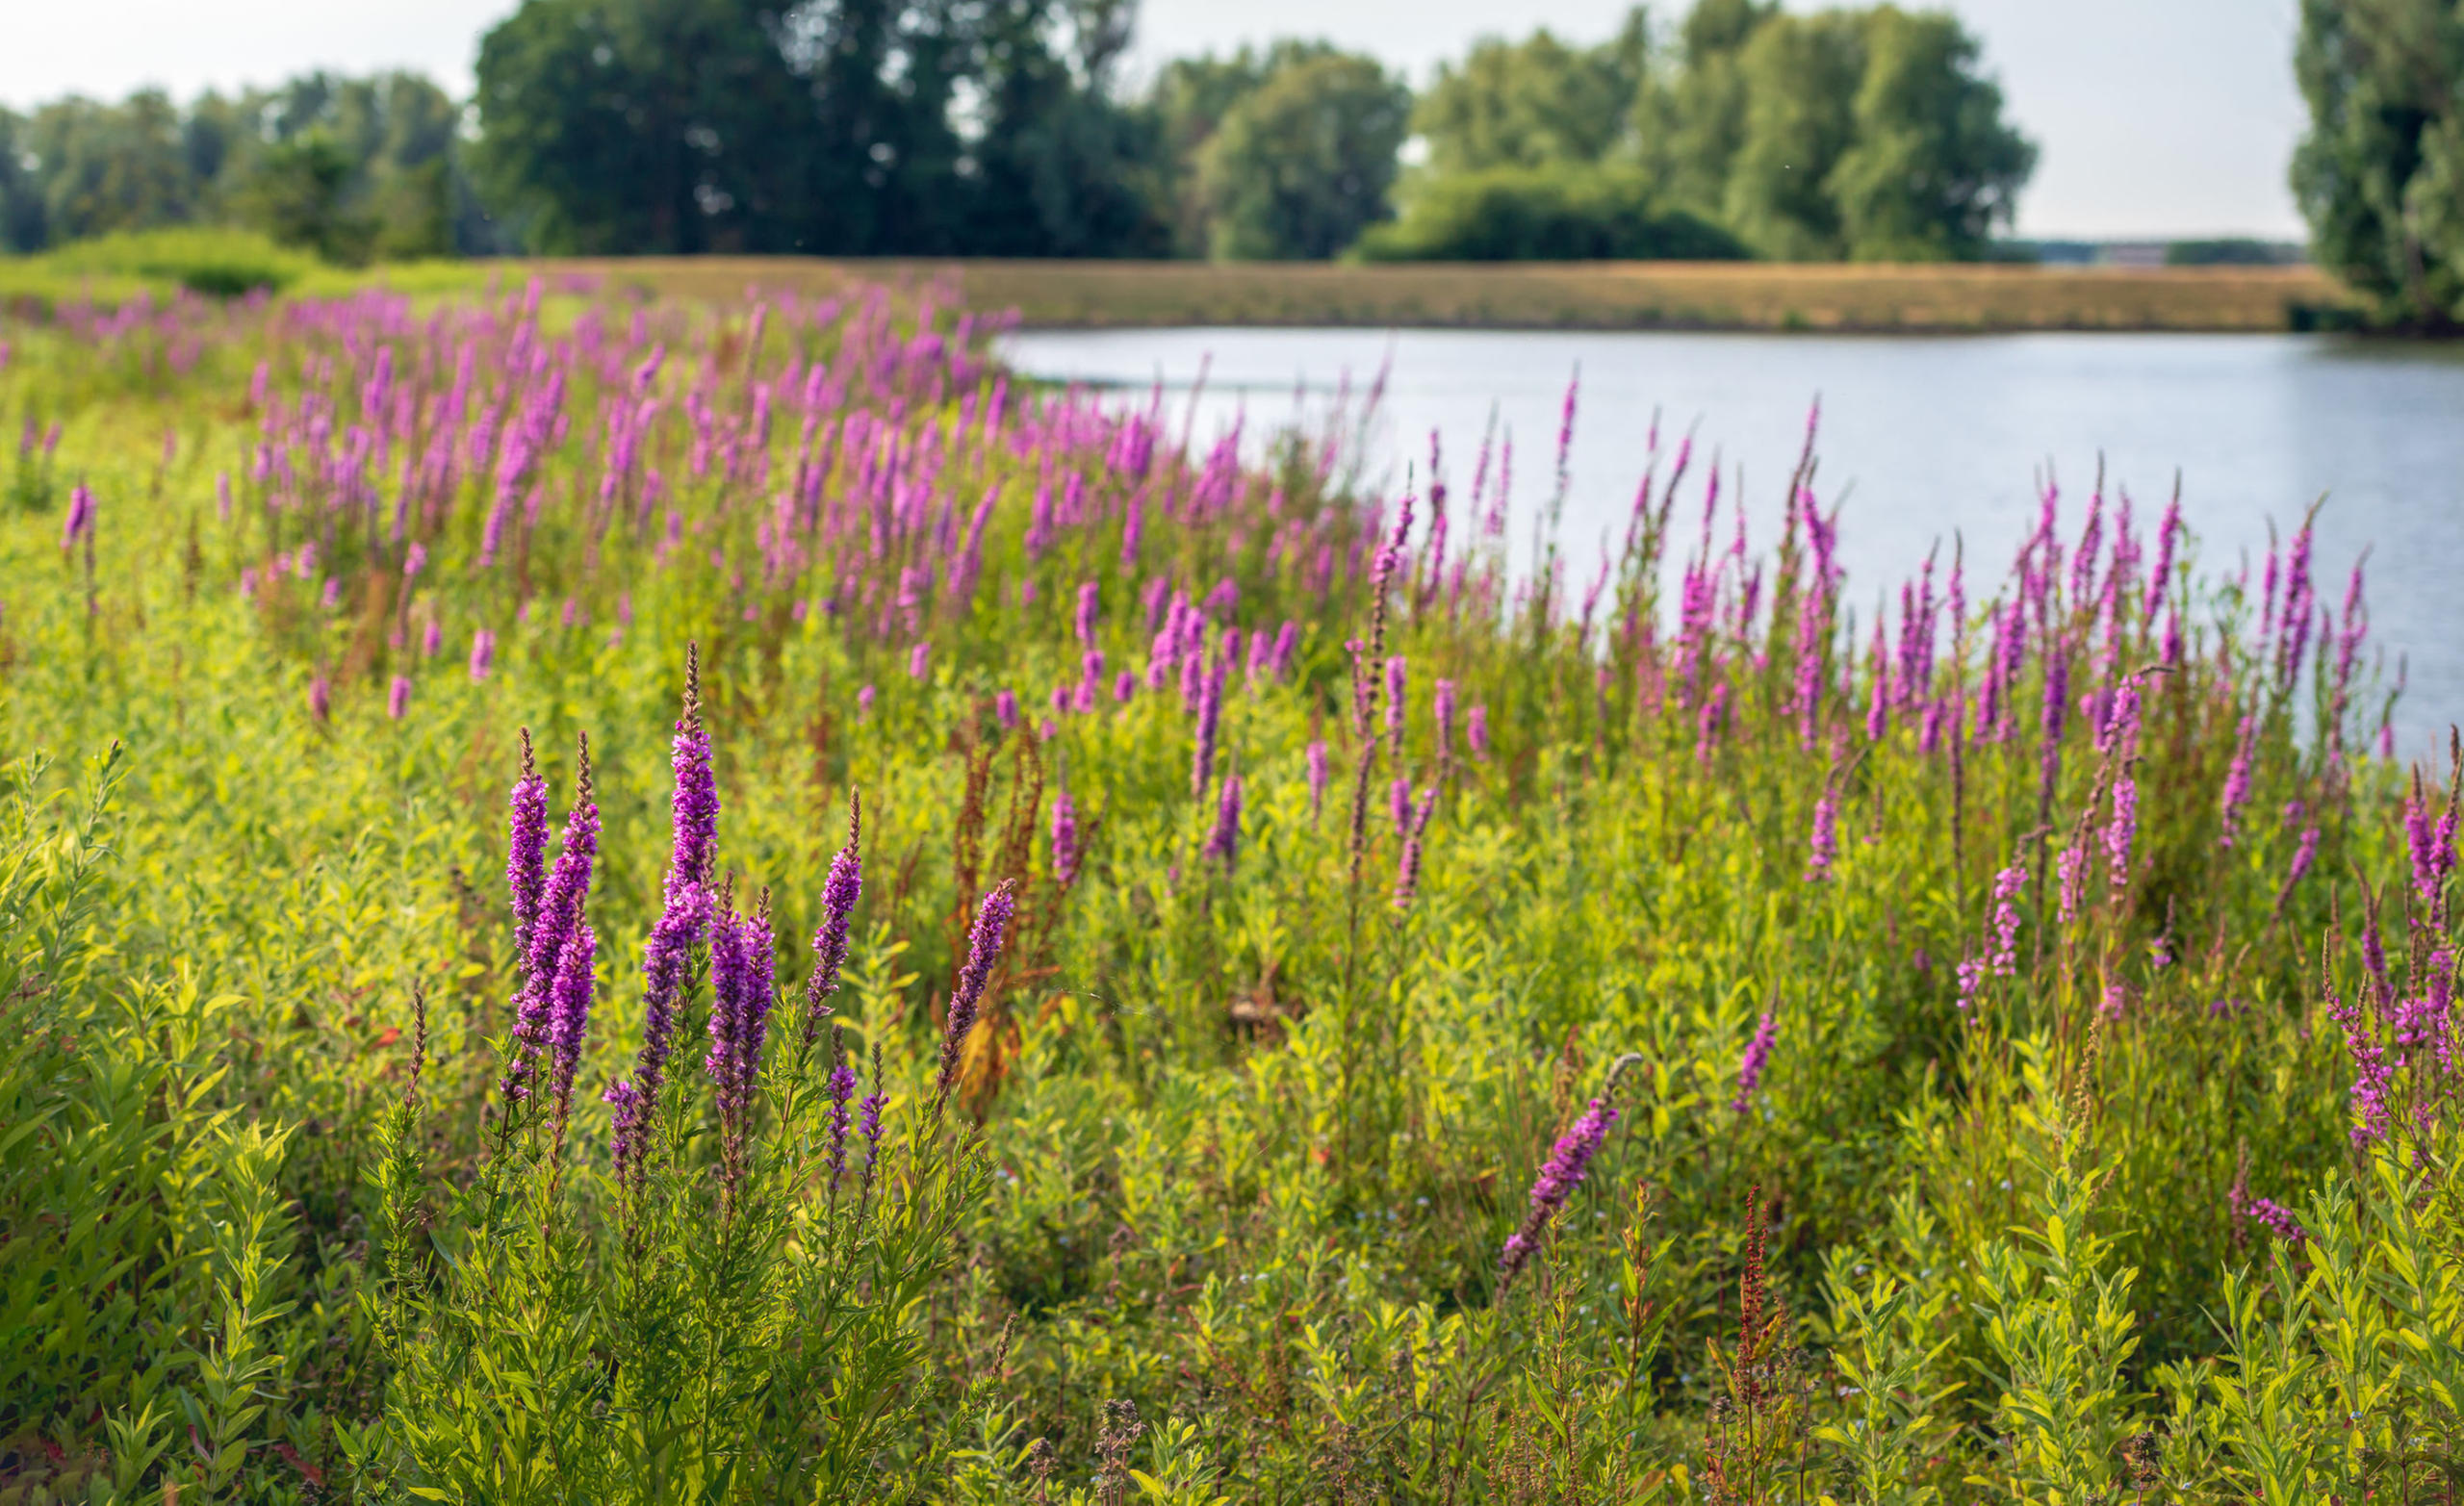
[
  {"x": 667, "y": 959},
  {"x": 1823, "y": 846},
  {"x": 2237, "y": 778},
  {"x": 841, "y": 1089},
  {"x": 1407, "y": 867},
  {"x": 526, "y": 863},
  {"x": 569, "y": 1017},
  {"x": 742, "y": 989},
  {"x": 558, "y": 920},
  {"x": 2003, "y": 958},
  {"x": 1751, "y": 1064},
  {"x": 1065, "y": 840},
  {"x": 838, "y": 894},
  {"x": 1224, "y": 843},
  {"x": 1316, "y": 757},
  {"x": 1569, "y": 1163},
  {"x": 982, "y": 951}
]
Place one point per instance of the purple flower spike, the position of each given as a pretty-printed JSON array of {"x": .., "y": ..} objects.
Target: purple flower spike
[
  {"x": 1748, "y": 1067},
  {"x": 1065, "y": 840},
  {"x": 667, "y": 958},
  {"x": 556, "y": 923},
  {"x": 837, "y": 903},
  {"x": 1569, "y": 1163},
  {"x": 526, "y": 863},
  {"x": 81, "y": 513},
  {"x": 1824, "y": 844},
  {"x": 398, "y": 698},
  {"x": 1316, "y": 756},
  {"x": 483, "y": 652},
  {"x": 569, "y": 1015},
  {"x": 842, "y": 1087},
  {"x": 742, "y": 989},
  {"x": 982, "y": 951},
  {"x": 1224, "y": 844}
]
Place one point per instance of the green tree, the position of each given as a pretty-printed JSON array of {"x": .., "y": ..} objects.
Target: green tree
[
  {"x": 296, "y": 191},
  {"x": 105, "y": 167},
  {"x": 1933, "y": 165},
  {"x": 1536, "y": 103},
  {"x": 1800, "y": 75},
  {"x": 2380, "y": 173},
  {"x": 21, "y": 207},
  {"x": 1061, "y": 168},
  {"x": 1573, "y": 212},
  {"x": 1186, "y": 105},
  {"x": 668, "y": 126},
  {"x": 1302, "y": 164},
  {"x": 1688, "y": 127}
]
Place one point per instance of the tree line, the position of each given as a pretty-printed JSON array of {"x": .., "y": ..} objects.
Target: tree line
[{"x": 1010, "y": 128}]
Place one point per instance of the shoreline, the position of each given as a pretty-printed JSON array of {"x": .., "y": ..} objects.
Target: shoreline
[{"x": 1701, "y": 297}]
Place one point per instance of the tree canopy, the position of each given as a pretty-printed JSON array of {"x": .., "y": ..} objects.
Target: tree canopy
[
  {"x": 2380, "y": 174},
  {"x": 1008, "y": 128}
]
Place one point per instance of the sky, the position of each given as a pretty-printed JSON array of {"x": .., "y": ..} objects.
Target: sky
[{"x": 2152, "y": 117}]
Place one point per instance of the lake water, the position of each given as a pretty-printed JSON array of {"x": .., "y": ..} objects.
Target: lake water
[{"x": 1925, "y": 436}]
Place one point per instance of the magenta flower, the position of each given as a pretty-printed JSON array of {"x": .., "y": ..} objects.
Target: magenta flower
[
  {"x": 1569, "y": 1163},
  {"x": 81, "y": 513},
  {"x": 693, "y": 823},
  {"x": 1824, "y": 844},
  {"x": 1475, "y": 732},
  {"x": 1065, "y": 840},
  {"x": 483, "y": 652},
  {"x": 2237, "y": 778},
  {"x": 838, "y": 894},
  {"x": 982, "y": 951},
  {"x": 398, "y": 698},
  {"x": 1757, "y": 1057},
  {"x": 2121, "y": 833},
  {"x": 1407, "y": 867},
  {"x": 1224, "y": 843},
  {"x": 742, "y": 989},
  {"x": 569, "y": 1015},
  {"x": 556, "y": 921},
  {"x": 1316, "y": 759},
  {"x": 526, "y": 863}
]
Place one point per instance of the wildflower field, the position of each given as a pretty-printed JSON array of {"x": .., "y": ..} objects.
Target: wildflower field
[{"x": 622, "y": 900}]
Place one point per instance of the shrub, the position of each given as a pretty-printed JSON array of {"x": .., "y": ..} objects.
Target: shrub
[{"x": 1543, "y": 214}]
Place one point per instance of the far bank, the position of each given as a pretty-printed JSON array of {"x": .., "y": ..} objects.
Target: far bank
[{"x": 1944, "y": 298}]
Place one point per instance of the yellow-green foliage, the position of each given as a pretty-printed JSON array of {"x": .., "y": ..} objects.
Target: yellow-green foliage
[{"x": 1253, "y": 1130}]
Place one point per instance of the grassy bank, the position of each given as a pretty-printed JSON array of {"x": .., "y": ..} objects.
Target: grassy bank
[
  {"x": 1559, "y": 295},
  {"x": 1334, "y": 1021}
]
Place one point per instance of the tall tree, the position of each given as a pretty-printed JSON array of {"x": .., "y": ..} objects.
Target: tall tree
[
  {"x": 1302, "y": 164},
  {"x": 21, "y": 206},
  {"x": 107, "y": 167},
  {"x": 1061, "y": 169},
  {"x": 1933, "y": 165},
  {"x": 1800, "y": 76},
  {"x": 1537, "y": 103},
  {"x": 2380, "y": 174},
  {"x": 1689, "y": 127}
]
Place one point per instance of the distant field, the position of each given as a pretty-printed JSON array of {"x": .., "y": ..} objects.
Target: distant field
[{"x": 1585, "y": 295}]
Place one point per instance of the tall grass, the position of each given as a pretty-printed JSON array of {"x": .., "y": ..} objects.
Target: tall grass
[{"x": 731, "y": 905}]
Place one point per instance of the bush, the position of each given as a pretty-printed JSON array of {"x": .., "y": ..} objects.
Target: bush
[
  {"x": 216, "y": 262},
  {"x": 1549, "y": 214}
]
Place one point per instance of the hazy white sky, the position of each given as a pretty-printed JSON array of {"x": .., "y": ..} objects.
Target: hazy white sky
[{"x": 2154, "y": 117}]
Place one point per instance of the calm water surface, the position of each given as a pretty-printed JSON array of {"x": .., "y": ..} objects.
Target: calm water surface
[{"x": 1925, "y": 437}]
